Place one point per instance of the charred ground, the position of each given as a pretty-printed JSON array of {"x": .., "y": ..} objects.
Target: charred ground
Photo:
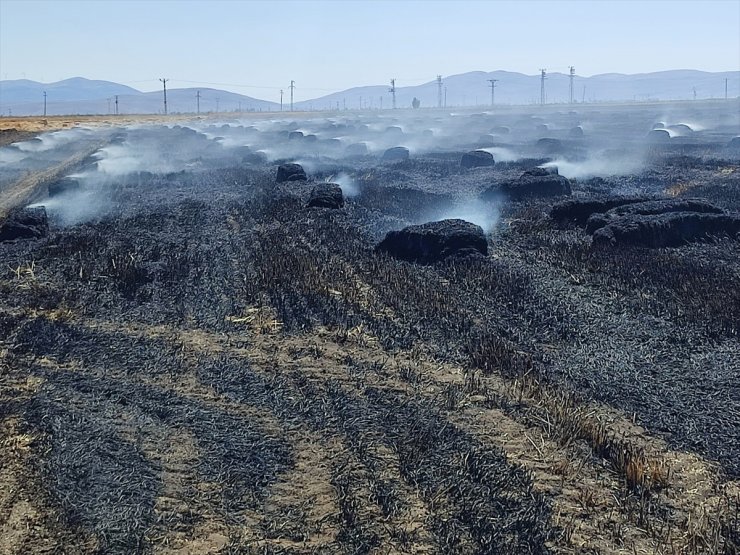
[{"x": 211, "y": 365}]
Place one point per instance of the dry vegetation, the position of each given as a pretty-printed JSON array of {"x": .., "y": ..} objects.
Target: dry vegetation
[{"x": 215, "y": 368}]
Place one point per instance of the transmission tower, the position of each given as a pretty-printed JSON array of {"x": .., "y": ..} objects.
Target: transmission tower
[
  {"x": 543, "y": 76},
  {"x": 116, "y": 104},
  {"x": 572, "y": 75},
  {"x": 493, "y": 89},
  {"x": 44, "y": 103},
  {"x": 392, "y": 90},
  {"x": 197, "y": 102},
  {"x": 439, "y": 91},
  {"x": 164, "y": 84},
  {"x": 292, "y": 87},
  {"x": 281, "y": 100}
]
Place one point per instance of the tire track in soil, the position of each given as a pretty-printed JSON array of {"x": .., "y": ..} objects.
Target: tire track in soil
[
  {"x": 579, "y": 486},
  {"x": 586, "y": 495}
]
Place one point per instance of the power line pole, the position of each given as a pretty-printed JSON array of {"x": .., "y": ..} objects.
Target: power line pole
[
  {"x": 439, "y": 91},
  {"x": 493, "y": 88},
  {"x": 281, "y": 100},
  {"x": 543, "y": 76},
  {"x": 572, "y": 75},
  {"x": 393, "y": 92},
  {"x": 292, "y": 88},
  {"x": 44, "y": 103},
  {"x": 694, "y": 93},
  {"x": 197, "y": 102},
  {"x": 445, "y": 97},
  {"x": 164, "y": 84},
  {"x": 116, "y": 104},
  {"x": 725, "y": 88}
]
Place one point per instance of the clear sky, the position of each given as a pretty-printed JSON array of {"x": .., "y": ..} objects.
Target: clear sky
[{"x": 331, "y": 45}]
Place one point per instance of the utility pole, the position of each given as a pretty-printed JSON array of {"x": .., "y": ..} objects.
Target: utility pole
[
  {"x": 694, "y": 93},
  {"x": 725, "y": 88},
  {"x": 572, "y": 75},
  {"x": 392, "y": 90},
  {"x": 197, "y": 102},
  {"x": 116, "y": 104},
  {"x": 360, "y": 103},
  {"x": 164, "y": 84},
  {"x": 44, "y": 103},
  {"x": 281, "y": 100},
  {"x": 292, "y": 88},
  {"x": 439, "y": 91},
  {"x": 493, "y": 88},
  {"x": 583, "y": 97},
  {"x": 381, "y": 102},
  {"x": 445, "y": 97},
  {"x": 543, "y": 76}
]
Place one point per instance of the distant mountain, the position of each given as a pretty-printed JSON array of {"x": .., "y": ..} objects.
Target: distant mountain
[
  {"x": 84, "y": 96},
  {"x": 77, "y": 88},
  {"x": 473, "y": 89}
]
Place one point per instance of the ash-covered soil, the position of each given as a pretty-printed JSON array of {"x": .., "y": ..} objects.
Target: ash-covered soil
[{"x": 194, "y": 361}]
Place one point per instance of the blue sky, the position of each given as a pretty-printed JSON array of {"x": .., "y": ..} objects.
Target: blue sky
[{"x": 255, "y": 48}]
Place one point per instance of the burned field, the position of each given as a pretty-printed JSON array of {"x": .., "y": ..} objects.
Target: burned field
[{"x": 201, "y": 357}]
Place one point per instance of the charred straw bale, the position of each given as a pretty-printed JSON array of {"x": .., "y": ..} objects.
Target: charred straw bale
[
  {"x": 434, "y": 241},
  {"x": 326, "y": 195},
  {"x": 578, "y": 210},
  {"x": 476, "y": 159},
  {"x": 291, "y": 172},
  {"x": 25, "y": 223},
  {"x": 667, "y": 230},
  {"x": 64, "y": 185},
  {"x": 356, "y": 149},
  {"x": 648, "y": 208},
  {"x": 396, "y": 154},
  {"x": 534, "y": 183}
]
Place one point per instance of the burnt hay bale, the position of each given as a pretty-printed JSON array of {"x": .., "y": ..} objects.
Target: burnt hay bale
[
  {"x": 326, "y": 195},
  {"x": 291, "y": 172},
  {"x": 435, "y": 241},
  {"x": 550, "y": 146},
  {"x": 64, "y": 185},
  {"x": 576, "y": 132},
  {"x": 476, "y": 159},
  {"x": 578, "y": 211},
  {"x": 356, "y": 149},
  {"x": 534, "y": 183},
  {"x": 659, "y": 136},
  {"x": 25, "y": 223},
  {"x": 667, "y": 230},
  {"x": 295, "y": 135},
  {"x": 734, "y": 143},
  {"x": 396, "y": 154},
  {"x": 650, "y": 207}
]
